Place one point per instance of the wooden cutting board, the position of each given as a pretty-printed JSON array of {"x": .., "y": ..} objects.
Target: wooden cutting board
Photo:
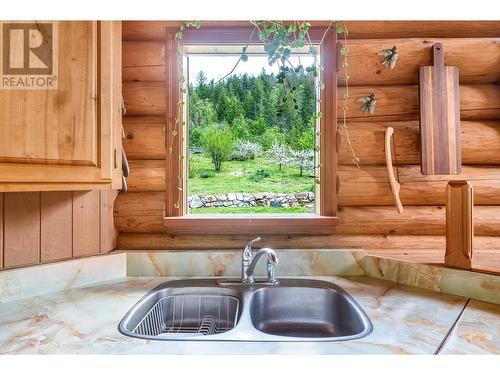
[{"x": 440, "y": 116}]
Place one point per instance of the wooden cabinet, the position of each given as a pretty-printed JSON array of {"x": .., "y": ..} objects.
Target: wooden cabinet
[{"x": 69, "y": 137}]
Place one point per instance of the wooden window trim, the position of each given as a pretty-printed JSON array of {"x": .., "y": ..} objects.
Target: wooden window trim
[{"x": 177, "y": 221}]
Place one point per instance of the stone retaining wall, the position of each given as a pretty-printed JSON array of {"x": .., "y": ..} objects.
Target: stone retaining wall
[{"x": 251, "y": 200}]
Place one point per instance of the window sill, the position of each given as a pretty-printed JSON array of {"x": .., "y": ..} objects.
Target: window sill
[{"x": 251, "y": 224}]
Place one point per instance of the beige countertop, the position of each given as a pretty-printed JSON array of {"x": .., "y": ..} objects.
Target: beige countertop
[{"x": 406, "y": 320}]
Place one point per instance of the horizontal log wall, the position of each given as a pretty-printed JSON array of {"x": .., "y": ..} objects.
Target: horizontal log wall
[{"x": 369, "y": 218}]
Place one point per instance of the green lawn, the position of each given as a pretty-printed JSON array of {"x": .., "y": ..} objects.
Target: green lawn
[{"x": 286, "y": 181}]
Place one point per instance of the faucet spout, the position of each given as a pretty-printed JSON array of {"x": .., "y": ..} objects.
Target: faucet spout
[{"x": 272, "y": 261}]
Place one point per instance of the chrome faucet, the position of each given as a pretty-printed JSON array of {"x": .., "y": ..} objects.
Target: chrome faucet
[{"x": 249, "y": 261}]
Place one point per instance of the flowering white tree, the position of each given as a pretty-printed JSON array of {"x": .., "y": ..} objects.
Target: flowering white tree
[
  {"x": 245, "y": 150},
  {"x": 302, "y": 159},
  {"x": 278, "y": 154}
]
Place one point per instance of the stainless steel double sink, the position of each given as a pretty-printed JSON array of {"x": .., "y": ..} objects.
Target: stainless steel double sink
[{"x": 228, "y": 310}]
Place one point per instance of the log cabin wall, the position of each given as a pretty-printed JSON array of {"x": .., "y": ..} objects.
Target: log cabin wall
[
  {"x": 366, "y": 207},
  {"x": 43, "y": 227}
]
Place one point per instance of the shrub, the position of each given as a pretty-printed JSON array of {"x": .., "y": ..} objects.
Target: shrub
[
  {"x": 218, "y": 142},
  {"x": 302, "y": 159},
  {"x": 278, "y": 154},
  {"x": 245, "y": 150},
  {"x": 207, "y": 174},
  {"x": 271, "y": 136},
  {"x": 259, "y": 175}
]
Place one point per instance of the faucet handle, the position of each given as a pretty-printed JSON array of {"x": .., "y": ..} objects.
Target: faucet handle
[{"x": 247, "y": 253}]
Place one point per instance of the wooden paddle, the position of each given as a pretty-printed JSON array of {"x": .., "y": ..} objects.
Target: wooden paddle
[{"x": 440, "y": 116}]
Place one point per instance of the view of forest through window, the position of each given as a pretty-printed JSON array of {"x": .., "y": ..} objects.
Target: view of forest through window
[{"x": 251, "y": 150}]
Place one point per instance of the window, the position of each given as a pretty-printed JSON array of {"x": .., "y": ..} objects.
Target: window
[
  {"x": 209, "y": 193},
  {"x": 251, "y": 140}
]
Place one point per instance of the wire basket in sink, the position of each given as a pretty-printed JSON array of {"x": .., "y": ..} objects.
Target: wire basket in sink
[{"x": 189, "y": 314}]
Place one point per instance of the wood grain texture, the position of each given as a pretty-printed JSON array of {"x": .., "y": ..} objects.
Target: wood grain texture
[
  {"x": 394, "y": 103},
  {"x": 56, "y": 232},
  {"x": 21, "y": 229},
  {"x": 476, "y": 58},
  {"x": 415, "y": 220},
  {"x": 140, "y": 212},
  {"x": 45, "y": 130},
  {"x": 143, "y": 61},
  {"x": 459, "y": 225},
  {"x": 401, "y": 103},
  {"x": 175, "y": 178},
  {"x": 251, "y": 224},
  {"x": 65, "y": 139},
  {"x": 422, "y": 29},
  {"x": 146, "y": 175},
  {"x": 86, "y": 223},
  {"x": 1, "y": 230},
  {"x": 108, "y": 230},
  {"x": 372, "y": 243},
  {"x": 143, "y": 213},
  {"x": 328, "y": 128},
  {"x": 144, "y": 140},
  {"x": 480, "y": 142},
  {"x": 439, "y": 116},
  {"x": 155, "y": 30},
  {"x": 145, "y": 98},
  {"x": 369, "y": 186}
]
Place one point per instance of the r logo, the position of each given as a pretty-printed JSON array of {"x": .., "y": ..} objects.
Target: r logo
[
  {"x": 29, "y": 55},
  {"x": 27, "y": 48}
]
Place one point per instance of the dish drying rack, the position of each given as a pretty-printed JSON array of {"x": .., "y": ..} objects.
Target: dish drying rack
[{"x": 188, "y": 314}]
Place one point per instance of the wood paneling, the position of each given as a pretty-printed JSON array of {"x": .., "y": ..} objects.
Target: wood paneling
[
  {"x": 459, "y": 224},
  {"x": 146, "y": 175},
  {"x": 369, "y": 219},
  {"x": 143, "y": 61},
  {"x": 377, "y": 243},
  {"x": 56, "y": 232},
  {"x": 21, "y": 229},
  {"x": 145, "y": 98},
  {"x": 415, "y": 220},
  {"x": 394, "y": 103},
  {"x": 107, "y": 223},
  {"x": 1, "y": 230},
  {"x": 140, "y": 212},
  {"x": 155, "y": 30},
  {"x": 369, "y": 186},
  {"x": 86, "y": 223},
  {"x": 175, "y": 133},
  {"x": 144, "y": 139},
  {"x": 423, "y": 29},
  {"x": 477, "y": 60},
  {"x": 328, "y": 128},
  {"x": 42, "y": 227},
  {"x": 400, "y": 103},
  {"x": 480, "y": 142}
]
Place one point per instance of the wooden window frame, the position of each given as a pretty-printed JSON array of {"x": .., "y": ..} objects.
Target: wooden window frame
[{"x": 176, "y": 220}]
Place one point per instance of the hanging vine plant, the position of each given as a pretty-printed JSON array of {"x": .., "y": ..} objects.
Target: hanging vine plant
[{"x": 279, "y": 40}]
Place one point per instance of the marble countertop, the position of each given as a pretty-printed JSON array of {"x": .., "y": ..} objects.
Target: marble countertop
[{"x": 406, "y": 320}]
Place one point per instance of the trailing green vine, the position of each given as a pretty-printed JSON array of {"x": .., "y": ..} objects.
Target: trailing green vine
[
  {"x": 180, "y": 122},
  {"x": 279, "y": 40},
  {"x": 341, "y": 28}
]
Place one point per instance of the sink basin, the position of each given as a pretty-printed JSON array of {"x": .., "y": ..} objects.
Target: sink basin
[
  {"x": 306, "y": 312},
  {"x": 223, "y": 310},
  {"x": 183, "y": 310}
]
